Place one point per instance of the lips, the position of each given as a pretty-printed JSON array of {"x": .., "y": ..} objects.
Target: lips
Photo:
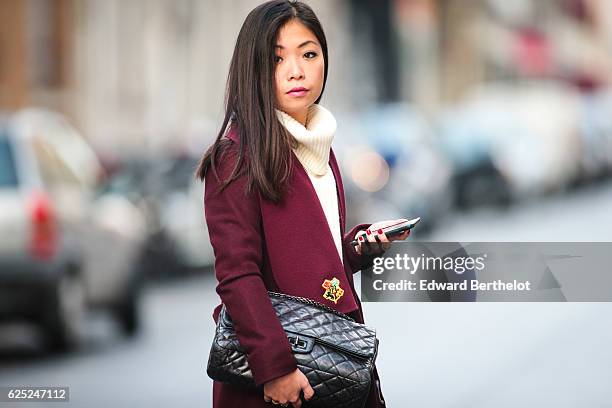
[{"x": 297, "y": 91}]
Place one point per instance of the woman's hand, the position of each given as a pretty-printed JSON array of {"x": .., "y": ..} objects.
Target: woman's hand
[
  {"x": 286, "y": 389},
  {"x": 373, "y": 241}
]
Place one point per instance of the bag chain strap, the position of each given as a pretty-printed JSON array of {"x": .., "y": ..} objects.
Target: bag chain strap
[{"x": 311, "y": 303}]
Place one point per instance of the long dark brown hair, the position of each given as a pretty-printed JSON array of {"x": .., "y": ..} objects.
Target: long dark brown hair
[{"x": 250, "y": 100}]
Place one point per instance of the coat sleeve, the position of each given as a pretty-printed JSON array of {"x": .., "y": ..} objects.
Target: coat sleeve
[
  {"x": 234, "y": 225},
  {"x": 356, "y": 261}
]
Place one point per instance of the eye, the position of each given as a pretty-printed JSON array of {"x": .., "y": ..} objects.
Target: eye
[
  {"x": 310, "y": 54},
  {"x": 277, "y": 59}
]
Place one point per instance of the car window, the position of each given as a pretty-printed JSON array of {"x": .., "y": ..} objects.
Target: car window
[
  {"x": 77, "y": 156},
  {"x": 8, "y": 173},
  {"x": 53, "y": 169}
]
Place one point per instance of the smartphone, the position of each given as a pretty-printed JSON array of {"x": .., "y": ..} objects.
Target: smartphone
[{"x": 396, "y": 229}]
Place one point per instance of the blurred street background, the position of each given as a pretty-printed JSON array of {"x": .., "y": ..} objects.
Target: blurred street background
[{"x": 489, "y": 119}]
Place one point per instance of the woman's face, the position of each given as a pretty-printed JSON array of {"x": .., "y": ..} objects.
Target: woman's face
[{"x": 300, "y": 68}]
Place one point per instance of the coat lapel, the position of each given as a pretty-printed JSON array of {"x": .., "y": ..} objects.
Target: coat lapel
[
  {"x": 315, "y": 199},
  {"x": 233, "y": 135},
  {"x": 339, "y": 190},
  {"x": 299, "y": 245}
]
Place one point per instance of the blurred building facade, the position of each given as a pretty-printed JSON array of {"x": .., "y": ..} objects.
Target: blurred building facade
[
  {"x": 135, "y": 73},
  {"x": 36, "y": 65},
  {"x": 150, "y": 72}
]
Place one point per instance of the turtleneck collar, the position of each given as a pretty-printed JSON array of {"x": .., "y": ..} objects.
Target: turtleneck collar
[{"x": 314, "y": 139}]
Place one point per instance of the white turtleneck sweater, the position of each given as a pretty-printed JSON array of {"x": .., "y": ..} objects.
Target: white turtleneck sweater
[{"x": 313, "y": 153}]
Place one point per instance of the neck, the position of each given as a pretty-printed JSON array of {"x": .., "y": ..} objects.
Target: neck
[
  {"x": 301, "y": 117},
  {"x": 314, "y": 140}
]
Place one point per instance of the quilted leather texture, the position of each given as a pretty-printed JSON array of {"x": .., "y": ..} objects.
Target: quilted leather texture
[{"x": 335, "y": 353}]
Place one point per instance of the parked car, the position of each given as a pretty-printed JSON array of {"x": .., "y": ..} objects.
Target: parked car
[
  {"x": 63, "y": 248},
  {"x": 137, "y": 179},
  {"x": 595, "y": 125},
  {"x": 469, "y": 137},
  {"x": 182, "y": 213},
  {"x": 511, "y": 141},
  {"x": 165, "y": 190}
]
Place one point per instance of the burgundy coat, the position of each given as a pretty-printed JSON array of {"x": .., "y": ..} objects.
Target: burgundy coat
[{"x": 286, "y": 247}]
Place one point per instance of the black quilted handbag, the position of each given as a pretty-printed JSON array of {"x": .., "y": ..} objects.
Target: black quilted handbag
[{"x": 335, "y": 353}]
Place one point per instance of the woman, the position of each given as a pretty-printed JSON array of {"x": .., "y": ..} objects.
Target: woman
[{"x": 274, "y": 200}]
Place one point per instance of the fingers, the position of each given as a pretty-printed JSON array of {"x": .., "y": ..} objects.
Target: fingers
[
  {"x": 274, "y": 401},
  {"x": 308, "y": 392},
  {"x": 360, "y": 237},
  {"x": 382, "y": 243},
  {"x": 295, "y": 400},
  {"x": 373, "y": 243},
  {"x": 364, "y": 239},
  {"x": 281, "y": 404},
  {"x": 403, "y": 235},
  {"x": 382, "y": 237}
]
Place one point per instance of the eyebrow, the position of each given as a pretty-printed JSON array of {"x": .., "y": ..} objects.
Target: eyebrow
[{"x": 299, "y": 46}]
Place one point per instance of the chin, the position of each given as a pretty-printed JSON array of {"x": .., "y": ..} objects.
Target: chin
[{"x": 296, "y": 107}]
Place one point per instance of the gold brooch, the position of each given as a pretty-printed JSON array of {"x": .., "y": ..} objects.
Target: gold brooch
[{"x": 333, "y": 291}]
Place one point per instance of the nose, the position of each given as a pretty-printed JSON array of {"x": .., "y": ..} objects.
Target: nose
[{"x": 295, "y": 70}]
